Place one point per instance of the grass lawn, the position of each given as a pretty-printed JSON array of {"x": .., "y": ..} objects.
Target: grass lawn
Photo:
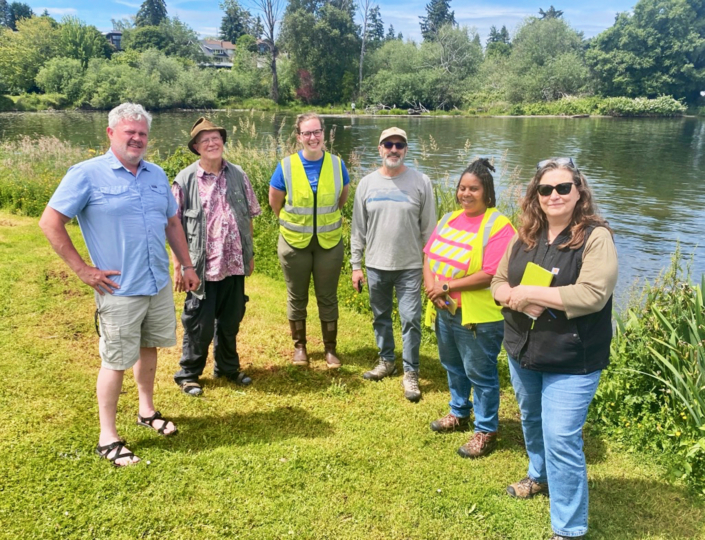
[{"x": 302, "y": 453}]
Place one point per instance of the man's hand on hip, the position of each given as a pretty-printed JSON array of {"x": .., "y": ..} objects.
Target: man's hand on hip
[{"x": 98, "y": 279}]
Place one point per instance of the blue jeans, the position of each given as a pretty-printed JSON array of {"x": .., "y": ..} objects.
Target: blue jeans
[
  {"x": 553, "y": 410},
  {"x": 470, "y": 358},
  {"x": 407, "y": 283}
]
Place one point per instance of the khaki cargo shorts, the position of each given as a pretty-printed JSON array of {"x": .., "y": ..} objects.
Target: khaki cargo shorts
[{"x": 130, "y": 322}]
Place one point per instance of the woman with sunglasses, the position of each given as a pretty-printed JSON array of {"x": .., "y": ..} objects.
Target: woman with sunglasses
[
  {"x": 461, "y": 257},
  {"x": 558, "y": 336},
  {"x": 306, "y": 192}
]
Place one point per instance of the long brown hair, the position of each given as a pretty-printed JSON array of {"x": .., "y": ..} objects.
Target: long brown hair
[{"x": 533, "y": 219}]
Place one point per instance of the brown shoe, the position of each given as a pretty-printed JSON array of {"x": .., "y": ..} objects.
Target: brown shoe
[
  {"x": 480, "y": 444},
  {"x": 329, "y": 329},
  {"x": 298, "y": 334},
  {"x": 449, "y": 423},
  {"x": 527, "y": 488}
]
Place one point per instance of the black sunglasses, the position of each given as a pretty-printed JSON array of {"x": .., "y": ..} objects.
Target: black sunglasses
[
  {"x": 566, "y": 161},
  {"x": 562, "y": 189},
  {"x": 389, "y": 144}
]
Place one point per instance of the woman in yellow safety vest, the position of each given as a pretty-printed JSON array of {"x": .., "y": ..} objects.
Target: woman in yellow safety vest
[
  {"x": 306, "y": 193},
  {"x": 461, "y": 257}
]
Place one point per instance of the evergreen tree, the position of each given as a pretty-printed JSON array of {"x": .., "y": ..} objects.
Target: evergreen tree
[
  {"x": 551, "y": 13},
  {"x": 375, "y": 29},
  {"x": 17, "y": 11},
  {"x": 390, "y": 34},
  {"x": 236, "y": 22},
  {"x": 438, "y": 14},
  {"x": 151, "y": 13},
  {"x": 4, "y": 13}
]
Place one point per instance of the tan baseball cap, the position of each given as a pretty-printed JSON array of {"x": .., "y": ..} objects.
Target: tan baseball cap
[{"x": 392, "y": 131}]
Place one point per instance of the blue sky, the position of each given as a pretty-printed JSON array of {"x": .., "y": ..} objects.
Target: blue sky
[{"x": 204, "y": 16}]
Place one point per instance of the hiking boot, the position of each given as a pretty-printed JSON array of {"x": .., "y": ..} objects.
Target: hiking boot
[
  {"x": 411, "y": 386},
  {"x": 527, "y": 488},
  {"x": 298, "y": 334},
  {"x": 380, "y": 371},
  {"x": 449, "y": 423},
  {"x": 479, "y": 445},
  {"x": 329, "y": 329}
]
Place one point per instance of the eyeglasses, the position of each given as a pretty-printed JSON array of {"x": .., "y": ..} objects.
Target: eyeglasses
[
  {"x": 398, "y": 145},
  {"x": 307, "y": 134},
  {"x": 558, "y": 161},
  {"x": 209, "y": 140},
  {"x": 562, "y": 189}
]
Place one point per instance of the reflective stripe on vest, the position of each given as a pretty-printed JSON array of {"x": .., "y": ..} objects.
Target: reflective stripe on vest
[{"x": 296, "y": 219}]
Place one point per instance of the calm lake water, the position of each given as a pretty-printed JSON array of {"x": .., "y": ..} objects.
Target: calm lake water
[{"x": 647, "y": 174}]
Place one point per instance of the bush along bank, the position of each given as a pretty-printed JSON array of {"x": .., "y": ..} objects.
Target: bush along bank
[{"x": 650, "y": 398}]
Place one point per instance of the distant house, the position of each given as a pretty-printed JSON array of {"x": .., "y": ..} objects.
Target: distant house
[
  {"x": 114, "y": 38},
  {"x": 218, "y": 53}
]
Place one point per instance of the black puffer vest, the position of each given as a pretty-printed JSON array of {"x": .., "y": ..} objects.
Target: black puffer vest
[{"x": 554, "y": 343}]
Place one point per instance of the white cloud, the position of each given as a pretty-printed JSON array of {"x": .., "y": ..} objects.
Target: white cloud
[
  {"x": 57, "y": 11},
  {"x": 128, "y": 4}
]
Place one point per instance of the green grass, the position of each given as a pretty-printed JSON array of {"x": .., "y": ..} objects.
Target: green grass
[{"x": 302, "y": 453}]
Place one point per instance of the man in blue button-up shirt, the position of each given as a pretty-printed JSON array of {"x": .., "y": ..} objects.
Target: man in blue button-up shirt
[{"x": 126, "y": 213}]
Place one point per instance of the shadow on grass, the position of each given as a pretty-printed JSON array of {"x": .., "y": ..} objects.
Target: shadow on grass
[
  {"x": 630, "y": 508},
  {"x": 233, "y": 429}
]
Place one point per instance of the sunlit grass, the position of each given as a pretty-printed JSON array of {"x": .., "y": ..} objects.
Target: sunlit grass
[{"x": 299, "y": 454}]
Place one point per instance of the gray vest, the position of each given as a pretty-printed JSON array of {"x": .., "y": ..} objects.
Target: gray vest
[{"x": 193, "y": 219}]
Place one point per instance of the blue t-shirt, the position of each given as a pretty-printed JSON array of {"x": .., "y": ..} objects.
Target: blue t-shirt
[
  {"x": 313, "y": 171},
  {"x": 123, "y": 219}
]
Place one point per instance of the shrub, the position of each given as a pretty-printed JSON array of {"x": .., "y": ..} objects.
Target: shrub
[
  {"x": 623, "y": 106},
  {"x": 651, "y": 396}
]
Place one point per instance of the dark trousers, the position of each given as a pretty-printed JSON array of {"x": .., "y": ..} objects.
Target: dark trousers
[{"x": 215, "y": 318}]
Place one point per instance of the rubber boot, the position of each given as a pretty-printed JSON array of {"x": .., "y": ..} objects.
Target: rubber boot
[
  {"x": 298, "y": 334},
  {"x": 329, "y": 329}
]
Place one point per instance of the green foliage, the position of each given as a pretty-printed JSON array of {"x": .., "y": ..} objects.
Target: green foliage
[
  {"x": 237, "y": 21},
  {"x": 172, "y": 37},
  {"x": 657, "y": 50},
  {"x": 622, "y": 106},
  {"x": 151, "y": 13},
  {"x": 16, "y": 12},
  {"x": 62, "y": 76},
  {"x": 24, "y": 52},
  {"x": 652, "y": 395},
  {"x": 81, "y": 41},
  {"x": 323, "y": 43},
  {"x": 4, "y": 13},
  {"x": 545, "y": 62},
  {"x": 438, "y": 15}
]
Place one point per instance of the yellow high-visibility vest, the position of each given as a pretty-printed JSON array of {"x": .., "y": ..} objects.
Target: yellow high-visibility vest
[
  {"x": 296, "y": 219},
  {"x": 476, "y": 306}
]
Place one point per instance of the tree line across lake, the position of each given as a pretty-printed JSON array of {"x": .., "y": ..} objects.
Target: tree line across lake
[{"x": 333, "y": 52}]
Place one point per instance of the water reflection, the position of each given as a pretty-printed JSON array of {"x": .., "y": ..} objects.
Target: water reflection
[{"x": 646, "y": 173}]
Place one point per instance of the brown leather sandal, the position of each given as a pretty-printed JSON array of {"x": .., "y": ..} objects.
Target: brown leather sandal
[{"x": 148, "y": 422}]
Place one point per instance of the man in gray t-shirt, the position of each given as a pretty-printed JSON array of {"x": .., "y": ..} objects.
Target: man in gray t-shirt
[{"x": 393, "y": 217}]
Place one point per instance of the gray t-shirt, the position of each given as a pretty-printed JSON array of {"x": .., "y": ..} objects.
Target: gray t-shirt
[{"x": 393, "y": 218}]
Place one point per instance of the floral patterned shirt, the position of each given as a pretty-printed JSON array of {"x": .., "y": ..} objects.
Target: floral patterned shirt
[{"x": 223, "y": 244}]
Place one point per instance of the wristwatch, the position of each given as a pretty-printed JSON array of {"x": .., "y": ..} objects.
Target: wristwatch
[{"x": 445, "y": 288}]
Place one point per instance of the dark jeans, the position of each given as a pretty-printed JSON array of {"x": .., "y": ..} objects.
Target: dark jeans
[{"x": 215, "y": 318}]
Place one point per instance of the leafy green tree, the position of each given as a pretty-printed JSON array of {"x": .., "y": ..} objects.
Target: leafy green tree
[
  {"x": 236, "y": 22},
  {"x": 438, "y": 14},
  {"x": 551, "y": 13},
  {"x": 63, "y": 76},
  {"x": 322, "y": 40},
  {"x": 24, "y": 52},
  {"x": 151, "y": 13},
  {"x": 172, "y": 37},
  {"x": 16, "y": 12},
  {"x": 82, "y": 42},
  {"x": 123, "y": 24},
  {"x": 546, "y": 62},
  {"x": 660, "y": 49},
  {"x": 498, "y": 43}
]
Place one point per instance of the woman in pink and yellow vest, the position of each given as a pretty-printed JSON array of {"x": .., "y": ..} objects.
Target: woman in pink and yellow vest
[{"x": 461, "y": 257}]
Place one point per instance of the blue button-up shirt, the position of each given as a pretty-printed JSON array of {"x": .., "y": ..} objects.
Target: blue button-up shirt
[{"x": 123, "y": 218}]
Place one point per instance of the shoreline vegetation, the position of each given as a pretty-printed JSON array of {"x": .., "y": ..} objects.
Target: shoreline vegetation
[
  {"x": 570, "y": 107},
  {"x": 650, "y": 400}
]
